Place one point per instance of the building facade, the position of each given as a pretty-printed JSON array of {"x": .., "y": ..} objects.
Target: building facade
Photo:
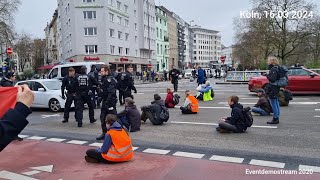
[
  {"x": 181, "y": 41},
  {"x": 52, "y": 41},
  {"x": 117, "y": 32},
  {"x": 207, "y": 46},
  {"x": 189, "y": 45},
  {"x": 227, "y": 52},
  {"x": 162, "y": 40}
]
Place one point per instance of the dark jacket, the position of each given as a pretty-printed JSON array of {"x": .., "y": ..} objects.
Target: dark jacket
[
  {"x": 107, "y": 140},
  {"x": 5, "y": 82},
  {"x": 109, "y": 90},
  {"x": 133, "y": 117},
  {"x": 155, "y": 109},
  {"x": 271, "y": 90},
  {"x": 237, "y": 118},
  {"x": 174, "y": 75},
  {"x": 12, "y": 123},
  {"x": 263, "y": 103},
  {"x": 85, "y": 83},
  {"x": 126, "y": 82},
  {"x": 169, "y": 100},
  {"x": 70, "y": 84}
]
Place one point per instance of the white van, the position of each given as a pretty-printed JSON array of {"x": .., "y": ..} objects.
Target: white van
[{"x": 60, "y": 71}]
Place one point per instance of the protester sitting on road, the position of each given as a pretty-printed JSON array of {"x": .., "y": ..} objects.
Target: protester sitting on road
[
  {"x": 117, "y": 146},
  {"x": 191, "y": 104},
  {"x": 169, "y": 99},
  {"x": 130, "y": 116},
  {"x": 263, "y": 106},
  {"x": 206, "y": 92},
  {"x": 15, "y": 120},
  {"x": 235, "y": 123},
  {"x": 152, "y": 112}
]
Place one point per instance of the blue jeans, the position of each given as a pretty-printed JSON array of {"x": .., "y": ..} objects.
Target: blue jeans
[
  {"x": 275, "y": 107},
  {"x": 259, "y": 111}
]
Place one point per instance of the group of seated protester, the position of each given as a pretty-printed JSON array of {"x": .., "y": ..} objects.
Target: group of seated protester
[{"x": 205, "y": 92}]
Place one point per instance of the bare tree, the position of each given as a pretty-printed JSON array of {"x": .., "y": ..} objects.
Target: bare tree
[
  {"x": 38, "y": 52},
  {"x": 7, "y": 9},
  {"x": 24, "y": 50}
]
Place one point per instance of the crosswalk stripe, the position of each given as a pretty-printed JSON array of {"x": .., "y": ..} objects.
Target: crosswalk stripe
[
  {"x": 317, "y": 109},
  {"x": 14, "y": 176},
  {"x": 96, "y": 144},
  {"x": 267, "y": 163},
  {"x": 226, "y": 159},
  {"x": 308, "y": 168},
  {"x": 36, "y": 138},
  {"x": 156, "y": 151},
  {"x": 76, "y": 142},
  {"x": 189, "y": 155},
  {"x": 55, "y": 140},
  {"x": 135, "y": 148},
  {"x": 30, "y": 173},
  {"x": 23, "y": 136}
]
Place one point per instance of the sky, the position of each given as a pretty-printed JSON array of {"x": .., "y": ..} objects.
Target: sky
[{"x": 217, "y": 15}]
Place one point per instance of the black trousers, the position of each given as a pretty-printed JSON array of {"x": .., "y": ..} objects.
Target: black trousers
[
  {"x": 70, "y": 99},
  {"x": 94, "y": 96},
  {"x": 81, "y": 99},
  {"x": 186, "y": 111},
  {"x": 226, "y": 126},
  {"x": 121, "y": 96},
  {"x": 93, "y": 153},
  {"x": 104, "y": 112},
  {"x": 127, "y": 94},
  {"x": 175, "y": 85}
]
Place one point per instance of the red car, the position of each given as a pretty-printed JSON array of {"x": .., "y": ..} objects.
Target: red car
[{"x": 301, "y": 81}]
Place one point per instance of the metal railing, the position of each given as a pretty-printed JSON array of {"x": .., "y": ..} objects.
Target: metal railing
[{"x": 243, "y": 76}]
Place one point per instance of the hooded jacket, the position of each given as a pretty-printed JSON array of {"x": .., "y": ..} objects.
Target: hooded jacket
[
  {"x": 155, "y": 109},
  {"x": 271, "y": 90},
  {"x": 169, "y": 100},
  {"x": 107, "y": 140},
  {"x": 237, "y": 118},
  {"x": 133, "y": 116},
  {"x": 5, "y": 82}
]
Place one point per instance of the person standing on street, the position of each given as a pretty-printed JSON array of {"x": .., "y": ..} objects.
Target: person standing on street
[
  {"x": 70, "y": 83},
  {"x": 83, "y": 96},
  {"x": 109, "y": 98},
  {"x": 94, "y": 88},
  {"x": 201, "y": 76},
  {"x": 174, "y": 77},
  {"x": 165, "y": 74},
  {"x": 121, "y": 90},
  {"x": 127, "y": 84}
]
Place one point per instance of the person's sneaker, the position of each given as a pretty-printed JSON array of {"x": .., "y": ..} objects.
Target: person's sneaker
[
  {"x": 18, "y": 138},
  {"x": 220, "y": 130},
  {"x": 255, "y": 114},
  {"x": 65, "y": 121},
  {"x": 79, "y": 124},
  {"x": 93, "y": 121},
  {"x": 91, "y": 160},
  {"x": 101, "y": 137},
  {"x": 274, "y": 121}
]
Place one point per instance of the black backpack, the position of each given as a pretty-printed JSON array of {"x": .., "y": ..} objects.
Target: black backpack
[
  {"x": 248, "y": 119},
  {"x": 287, "y": 95},
  {"x": 164, "y": 114},
  {"x": 282, "y": 80},
  {"x": 176, "y": 99}
]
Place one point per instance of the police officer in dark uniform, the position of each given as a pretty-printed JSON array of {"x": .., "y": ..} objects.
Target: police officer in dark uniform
[
  {"x": 109, "y": 97},
  {"x": 70, "y": 83},
  {"x": 127, "y": 83},
  {"x": 174, "y": 76},
  {"x": 82, "y": 96},
  {"x": 94, "y": 74},
  {"x": 118, "y": 78}
]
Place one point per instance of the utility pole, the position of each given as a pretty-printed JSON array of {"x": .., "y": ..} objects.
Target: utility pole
[{"x": 148, "y": 14}]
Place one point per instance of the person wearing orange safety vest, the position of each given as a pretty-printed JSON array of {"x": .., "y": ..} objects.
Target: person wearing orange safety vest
[
  {"x": 191, "y": 104},
  {"x": 117, "y": 146}
]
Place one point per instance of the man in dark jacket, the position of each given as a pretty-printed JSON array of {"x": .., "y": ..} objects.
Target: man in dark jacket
[
  {"x": 262, "y": 107},
  {"x": 15, "y": 120},
  {"x": 174, "y": 77},
  {"x": 121, "y": 90},
  {"x": 152, "y": 112},
  {"x": 93, "y": 87},
  {"x": 109, "y": 98},
  {"x": 235, "y": 123},
  {"x": 69, "y": 83},
  {"x": 130, "y": 116},
  {"x": 8, "y": 80},
  {"x": 127, "y": 83},
  {"x": 273, "y": 90}
]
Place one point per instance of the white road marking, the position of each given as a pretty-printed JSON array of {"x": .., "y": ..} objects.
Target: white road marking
[
  {"x": 291, "y": 103},
  {"x": 317, "y": 109},
  {"x": 96, "y": 144},
  {"x": 13, "y": 176},
  {"x": 156, "y": 151},
  {"x": 188, "y": 155},
  {"x": 77, "y": 142},
  {"x": 47, "y": 116},
  {"x": 55, "y": 140},
  {"x": 30, "y": 173},
  {"x": 23, "y": 136},
  {"x": 36, "y": 138},
  {"x": 214, "y": 124},
  {"x": 203, "y": 107},
  {"x": 135, "y": 148},
  {"x": 267, "y": 163},
  {"x": 314, "y": 168},
  {"x": 226, "y": 159},
  {"x": 317, "y": 116},
  {"x": 47, "y": 168}
]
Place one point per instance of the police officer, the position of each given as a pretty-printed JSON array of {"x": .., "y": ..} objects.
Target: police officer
[
  {"x": 82, "y": 96},
  {"x": 121, "y": 91},
  {"x": 109, "y": 97},
  {"x": 127, "y": 83},
  {"x": 70, "y": 83},
  {"x": 174, "y": 76},
  {"x": 94, "y": 74}
]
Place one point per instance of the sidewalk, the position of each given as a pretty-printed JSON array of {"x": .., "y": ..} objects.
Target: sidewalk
[{"x": 31, "y": 160}]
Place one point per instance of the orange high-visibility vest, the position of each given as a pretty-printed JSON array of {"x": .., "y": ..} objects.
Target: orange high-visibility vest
[
  {"x": 121, "y": 147},
  {"x": 194, "y": 105},
  {"x": 8, "y": 98}
]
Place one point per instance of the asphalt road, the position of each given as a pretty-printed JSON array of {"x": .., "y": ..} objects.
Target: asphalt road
[{"x": 294, "y": 141}]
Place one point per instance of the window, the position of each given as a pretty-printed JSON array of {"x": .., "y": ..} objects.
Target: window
[
  {"x": 118, "y": 5},
  {"x": 135, "y": 13},
  {"x": 126, "y": 22},
  {"x": 120, "y": 50},
  {"x": 157, "y": 32},
  {"x": 119, "y": 20},
  {"x": 92, "y": 31},
  {"x": 158, "y": 49},
  {"x": 135, "y": 26},
  {"x": 89, "y": 1},
  {"x": 126, "y": 8},
  {"x": 119, "y": 34},
  {"x": 136, "y": 53},
  {"x": 91, "y": 49},
  {"x": 89, "y": 14},
  {"x": 111, "y": 33},
  {"x": 110, "y": 2},
  {"x": 127, "y": 51},
  {"x": 127, "y": 36},
  {"x": 136, "y": 38},
  {"x": 112, "y": 49},
  {"x": 134, "y": 1},
  {"x": 111, "y": 17}
]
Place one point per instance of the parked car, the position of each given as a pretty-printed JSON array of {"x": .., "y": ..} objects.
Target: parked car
[
  {"x": 188, "y": 73},
  {"x": 301, "y": 81},
  {"x": 47, "y": 93}
]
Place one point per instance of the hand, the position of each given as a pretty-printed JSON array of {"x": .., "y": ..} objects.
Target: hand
[
  {"x": 25, "y": 95},
  {"x": 63, "y": 97},
  {"x": 135, "y": 92}
]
